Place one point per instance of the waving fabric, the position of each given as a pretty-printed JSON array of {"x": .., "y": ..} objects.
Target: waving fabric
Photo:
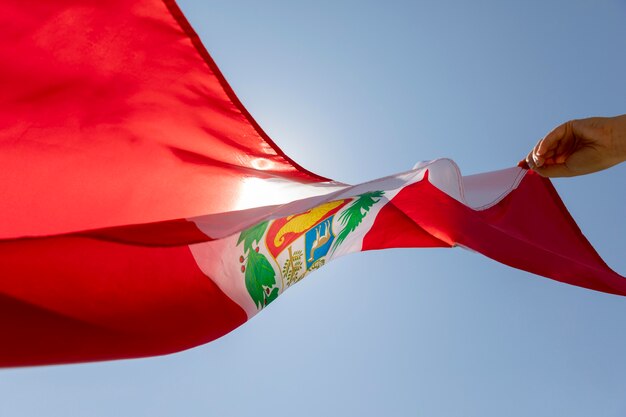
[{"x": 144, "y": 211}]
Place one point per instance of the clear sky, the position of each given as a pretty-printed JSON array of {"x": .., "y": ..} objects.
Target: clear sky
[{"x": 355, "y": 90}]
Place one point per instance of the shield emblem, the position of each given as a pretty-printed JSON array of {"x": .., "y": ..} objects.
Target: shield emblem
[{"x": 298, "y": 243}]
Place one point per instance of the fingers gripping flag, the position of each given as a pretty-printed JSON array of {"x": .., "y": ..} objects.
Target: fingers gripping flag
[{"x": 145, "y": 212}]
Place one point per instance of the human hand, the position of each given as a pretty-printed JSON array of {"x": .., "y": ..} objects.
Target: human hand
[{"x": 580, "y": 147}]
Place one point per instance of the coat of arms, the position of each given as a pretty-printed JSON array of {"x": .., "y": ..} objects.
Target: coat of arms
[{"x": 293, "y": 246}]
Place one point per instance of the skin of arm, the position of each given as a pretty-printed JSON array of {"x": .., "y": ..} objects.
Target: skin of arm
[{"x": 579, "y": 147}]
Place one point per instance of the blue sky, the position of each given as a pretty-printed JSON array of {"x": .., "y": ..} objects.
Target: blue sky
[{"x": 356, "y": 90}]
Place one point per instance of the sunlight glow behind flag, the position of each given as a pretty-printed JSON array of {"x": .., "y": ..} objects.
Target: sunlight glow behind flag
[{"x": 144, "y": 211}]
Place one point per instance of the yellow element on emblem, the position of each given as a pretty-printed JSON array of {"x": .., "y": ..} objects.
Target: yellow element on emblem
[{"x": 300, "y": 223}]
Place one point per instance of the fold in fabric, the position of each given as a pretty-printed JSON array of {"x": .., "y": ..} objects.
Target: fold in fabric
[{"x": 144, "y": 211}]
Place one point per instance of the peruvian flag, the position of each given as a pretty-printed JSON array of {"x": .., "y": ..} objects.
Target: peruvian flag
[{"x": 144, "y": 211}]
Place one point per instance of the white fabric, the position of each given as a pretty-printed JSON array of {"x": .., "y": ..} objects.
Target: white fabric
[{"x": 221, "y": 259}]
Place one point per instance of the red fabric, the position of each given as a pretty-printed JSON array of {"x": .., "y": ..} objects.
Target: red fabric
[
  {"x": 112, "y": 113},
  {"x": 392, "y": 228},
  {"x": 75, "y": 299},
  {"x": 529, "y": 229},
  {"x": 113, "y": 117}
]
